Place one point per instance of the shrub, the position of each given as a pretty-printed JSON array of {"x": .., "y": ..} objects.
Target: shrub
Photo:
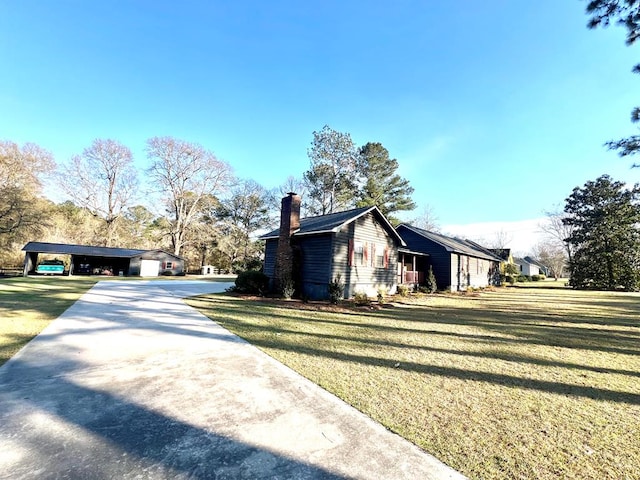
[
  {"x": 403, "y": 290},
  {"x": 511, "y": 280},
  {"x": 382, "y": 293},
  {"x": 288, "y": 289},
  {"x": 361, "y": 298},
  {"x": 336, "y": 290},
  {"x": 254, "y": 264},
  {"x": 252, "y": 281},
  {"x": 536, "y": 278},
  {"x": 523, "y": 278},
  {"x": 431, "y": 283}
]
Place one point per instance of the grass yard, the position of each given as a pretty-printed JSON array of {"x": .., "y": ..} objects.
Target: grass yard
[
  {"x": 27, "y": 305},
  {"x": 516, "y": 383}
]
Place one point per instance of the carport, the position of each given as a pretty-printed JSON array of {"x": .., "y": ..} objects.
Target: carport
[{"x": 93, "y": 260}]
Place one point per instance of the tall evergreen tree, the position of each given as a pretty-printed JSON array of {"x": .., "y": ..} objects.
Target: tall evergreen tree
[
  {"x": 381, "y": 185},
  {"x": 605, "y": 217},
  {"x": 330, "y": 178},
  {"x": 625, "y": 13}
]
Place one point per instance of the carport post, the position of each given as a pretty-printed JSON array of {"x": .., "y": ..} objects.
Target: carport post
[{"x": 30, "y": 259}]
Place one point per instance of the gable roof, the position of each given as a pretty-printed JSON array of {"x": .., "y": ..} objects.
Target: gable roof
[
  {"x": 533, "y": 261},
  {"x": 86, "y": 250},
  {"x": 453, "y": 245},
  {"x": 333, "y": 222}
]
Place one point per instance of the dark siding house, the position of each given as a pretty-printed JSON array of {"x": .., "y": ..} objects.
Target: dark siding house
[
  {"x": 359, "y": 246},
  {"x": 457, "y": 264},
  {"x": 87, "y": 259}
]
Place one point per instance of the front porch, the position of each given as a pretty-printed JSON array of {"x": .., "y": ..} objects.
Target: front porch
[{"x": 412, "y": 267}]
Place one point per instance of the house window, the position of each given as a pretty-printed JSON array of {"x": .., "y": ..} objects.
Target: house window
[
  {"x": 358, "y": 253},
  {"x": 379, "y": 259},
  {"x": 169, "y": 265}
]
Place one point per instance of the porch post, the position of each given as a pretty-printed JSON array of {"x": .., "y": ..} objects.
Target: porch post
[{"x": 415, "y": 276}]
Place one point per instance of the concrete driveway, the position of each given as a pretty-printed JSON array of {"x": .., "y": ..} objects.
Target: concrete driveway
[{"x": 130, "y": 382}]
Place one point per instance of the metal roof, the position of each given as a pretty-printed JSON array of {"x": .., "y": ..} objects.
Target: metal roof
[
  {"x": 85, "y": 250},
  {"x": 332, "y": 223},
  {"x": 455, "y": 245}
]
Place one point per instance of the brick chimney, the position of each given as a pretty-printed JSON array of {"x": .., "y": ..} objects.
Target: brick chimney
[{"x": 289, "y": 223}]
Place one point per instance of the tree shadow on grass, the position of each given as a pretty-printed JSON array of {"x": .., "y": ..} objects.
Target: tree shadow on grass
[
  {"x": 459, "y": 373},
  {"x": 502, "y": 330}
]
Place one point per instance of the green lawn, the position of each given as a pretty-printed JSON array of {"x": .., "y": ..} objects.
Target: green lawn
[
  {"x": 516, "y": 383},
  {"x": 27, "y": 305}
]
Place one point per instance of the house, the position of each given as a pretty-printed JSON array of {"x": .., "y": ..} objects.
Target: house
[
  {"x": 526, "y": 267},
  {"x": 544, "y": 270},
  {"x": 86, "y": 259},
  {"x": 506, "y": 257},
  {"x": 358, "y": 246},
  {"x": 457, "y": 264}
]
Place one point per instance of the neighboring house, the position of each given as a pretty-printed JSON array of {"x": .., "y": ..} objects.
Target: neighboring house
[
  {"x": 358, "y": 246},
  {"x": 457, "y": 264},
  {"x": 543, "y": 268},
  {"x": 526, "y": 267},
  {"x": 86, "y": 259},
  {"x": 505, "y": 256}
]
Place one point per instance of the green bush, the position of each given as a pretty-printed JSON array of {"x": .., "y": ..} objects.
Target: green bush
[
  {"x": 431, "y": 283},
  {"x": 361, "y": 298},
  {"x": 336, "y": 290},
  {"x": 510, "y": 279},
  {"x": 288, "y": 289},
  {"x": 403, "y": 290},
  {"x": 536, "y": 278},
  {"x": 252, "y": 281},
  {"x": 523, "y": 278}
]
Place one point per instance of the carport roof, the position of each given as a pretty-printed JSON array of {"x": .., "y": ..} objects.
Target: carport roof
[{"x": 85, "y": 250}]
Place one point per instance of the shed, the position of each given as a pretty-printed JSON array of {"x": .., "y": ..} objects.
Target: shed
[{"x": 88, "y": 260}]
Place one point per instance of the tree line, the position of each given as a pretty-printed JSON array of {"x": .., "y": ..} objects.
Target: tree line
[{"x": 187, "y": 201}]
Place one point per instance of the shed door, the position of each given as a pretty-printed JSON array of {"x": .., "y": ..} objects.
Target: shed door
[{"x": 149, "y": 268}]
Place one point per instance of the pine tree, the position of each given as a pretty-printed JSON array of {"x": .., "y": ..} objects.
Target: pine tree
[
  {"x": 606, "y": 235},
  {"x": 382, "y": 186},
  {"x": 330, "y": 180}
]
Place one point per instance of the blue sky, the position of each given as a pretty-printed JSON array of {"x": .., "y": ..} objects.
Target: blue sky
[{"x": 495, "y": 110}]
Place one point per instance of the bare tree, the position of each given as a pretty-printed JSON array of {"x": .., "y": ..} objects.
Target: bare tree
[
  {"x": 186, "y": 173},
  {"x": 558, "y": 231},
  {"x": 103, "y": 180},
  {"x": 291, "y": 184},
  {"x": 427, "y": 220},
  {"x": 552, "y": 255},
  {"x": 244, "y": 213},
  {"x": 501, "y": 240}
]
